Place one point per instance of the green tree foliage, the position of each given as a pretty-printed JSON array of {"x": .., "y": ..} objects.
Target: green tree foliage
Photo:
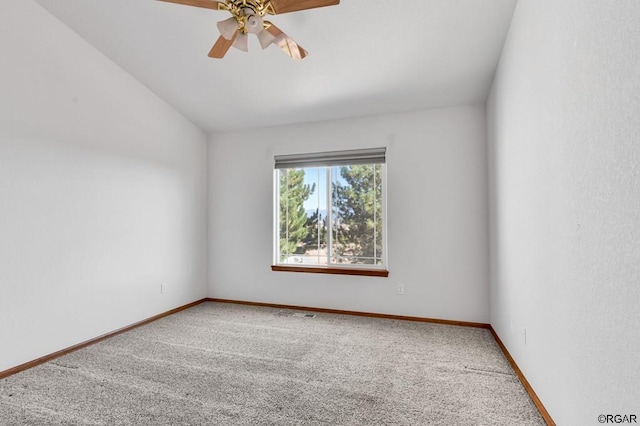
[
  {"x": 317, "y": 225},
  {"x": 293, "y": 218},
  {"x": 357, "y": 201}
]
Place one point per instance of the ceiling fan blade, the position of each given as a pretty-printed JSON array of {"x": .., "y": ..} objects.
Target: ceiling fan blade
[
  {"x": 207, "y": 4},
  {"x": 287, "y": 45},
  {"x": 286, "y": 6},
  {"x": 222, "y": 46}
]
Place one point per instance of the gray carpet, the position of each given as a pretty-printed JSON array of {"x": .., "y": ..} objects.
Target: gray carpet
[{"x": 221, "y": 364}]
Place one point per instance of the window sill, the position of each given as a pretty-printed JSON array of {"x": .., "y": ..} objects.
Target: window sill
[{"x": 335, "y": 271}]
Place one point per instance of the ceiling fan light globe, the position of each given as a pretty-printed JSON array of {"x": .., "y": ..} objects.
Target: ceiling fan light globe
[
  {"x": 241, "y": 42},
  {"x": 265, "y": 38},
  {"x": 254, "y": 24},
  {"x": 228, "y": 27}
]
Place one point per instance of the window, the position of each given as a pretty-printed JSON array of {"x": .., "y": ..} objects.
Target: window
[{"x": 330, "y": 212}]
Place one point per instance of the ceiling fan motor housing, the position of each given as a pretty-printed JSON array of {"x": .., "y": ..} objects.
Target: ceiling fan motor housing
[{"x": 241, "y": 8}]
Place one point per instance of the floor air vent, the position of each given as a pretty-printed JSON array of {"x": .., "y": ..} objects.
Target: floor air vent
[
  {"x": 287, "y": 313},
  {"x": 302, "y": 315}
]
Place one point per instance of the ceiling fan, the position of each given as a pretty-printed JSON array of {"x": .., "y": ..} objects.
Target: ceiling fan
[{"x": 248, "y": 19}]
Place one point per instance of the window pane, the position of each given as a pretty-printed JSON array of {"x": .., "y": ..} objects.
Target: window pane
[
  {"x": 357, "y": 214},
  {"x": 302, "y": 212},
  {"x": 331, "y": 215},
  {"x": 315, "y": 243}
]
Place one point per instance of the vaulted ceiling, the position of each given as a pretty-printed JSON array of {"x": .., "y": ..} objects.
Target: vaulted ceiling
[{"x": 366, "y": 57}]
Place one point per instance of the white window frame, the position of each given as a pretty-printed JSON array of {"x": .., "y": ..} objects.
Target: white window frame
[{"x": 319, "y": 160}]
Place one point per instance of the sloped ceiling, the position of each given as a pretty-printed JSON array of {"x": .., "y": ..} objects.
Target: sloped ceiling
[{"x": 366, "y": 57}]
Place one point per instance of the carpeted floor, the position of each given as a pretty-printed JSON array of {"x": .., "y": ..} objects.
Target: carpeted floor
[{"x": 222, "y": 364}]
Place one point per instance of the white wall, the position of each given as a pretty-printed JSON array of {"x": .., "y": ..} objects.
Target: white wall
[
  {"x": 102, "y": 193},
  {"x": 437, "y": 215},
  {"x": 564, "y": 136}
]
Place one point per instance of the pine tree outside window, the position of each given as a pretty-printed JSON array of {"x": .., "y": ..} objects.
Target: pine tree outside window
[{"x": 330, "y": 210}]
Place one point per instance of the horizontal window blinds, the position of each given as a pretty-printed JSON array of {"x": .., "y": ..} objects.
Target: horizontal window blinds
[{"x": 332, "y": 158}]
